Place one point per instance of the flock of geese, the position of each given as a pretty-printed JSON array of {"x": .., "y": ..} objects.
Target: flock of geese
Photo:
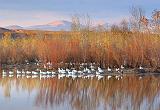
[{"x": 87, "y": 73}]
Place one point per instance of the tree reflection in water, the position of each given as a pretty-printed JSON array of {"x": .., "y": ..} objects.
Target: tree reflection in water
[{"x": 129, "y": 93}]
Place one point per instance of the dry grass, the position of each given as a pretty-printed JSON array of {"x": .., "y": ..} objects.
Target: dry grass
[{"x": 104, "y": 48}]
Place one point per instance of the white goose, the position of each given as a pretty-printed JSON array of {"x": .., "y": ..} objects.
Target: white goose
[
  {"x": 61, "y": 71},
  {"x": 80, "y": 72},
  {"x": 18, "y": 72},
  {"x": 70, "y": 73},
  {"x": 109, "y": 69},
  {"x": 10, "y": 72},
  {"x": 53, "y": 73},
  {"x": 100, "y": 70},
  {"x": 117, "y": 70},
  {"x": 89, "y": 71},
  {"x": 34, "y": 72},
  {"x": 41, "y": 72},
  {"x": 28, "y": 72},
  {"x": 141, "y": 68},
  {"x": 67, "y": 69},
  {"x": 92, "y": 68},
  {"x": 4, "y": 72},
  {"x": 122, "y": 67},
  {"x": 48, "y": 72},
  {"x": 74, "y": 71},
  {"x": 23, "y": 72},
  {"x": 85, "y": 70},
  {"x": 97, "y": 73}
]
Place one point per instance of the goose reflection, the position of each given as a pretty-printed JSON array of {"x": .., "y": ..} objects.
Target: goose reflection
[{"x": 83, "y": 94}]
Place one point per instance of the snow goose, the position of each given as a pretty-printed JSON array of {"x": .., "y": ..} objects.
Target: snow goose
[
  {"x": 4, "y": 72},
  {"x": 10, "y": 72},
  {"x": 100, "y": 70},
  {"x": 61, "y": 71},
  {"x": 42, "y": 72},
  {"x": 122, "y": 67},
  {"x": 98, "y": 73},
  {"x": 18, "y": 72},
  {"x": 53, "y": 73},
  {"x": 28, "y": 72},
  {"x": 34, "y": 72},
  {"x": 48, "y": 72},
  {"x": 109, "y": 69},
  {"x": 74, "y": 71},
  {"x": 141, "y": 70}
]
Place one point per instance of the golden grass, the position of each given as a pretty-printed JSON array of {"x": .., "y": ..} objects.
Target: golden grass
[{"x": 104, "y": 48}]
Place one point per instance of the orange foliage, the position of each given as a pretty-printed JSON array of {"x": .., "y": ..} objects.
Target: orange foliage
[{"x": 104, "y": 48}]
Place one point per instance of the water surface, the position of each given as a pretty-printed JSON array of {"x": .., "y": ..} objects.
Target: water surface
[{"x": 129, "y": 93}]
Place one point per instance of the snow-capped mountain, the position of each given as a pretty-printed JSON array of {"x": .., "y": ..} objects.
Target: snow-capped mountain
[
  {"x": 52, "y": 26},
  {"x": 13, "y": 27}
]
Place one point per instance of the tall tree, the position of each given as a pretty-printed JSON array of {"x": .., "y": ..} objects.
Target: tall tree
[
  {"x": 156, "y": 20},
  {"x": 135, "y": 19}
]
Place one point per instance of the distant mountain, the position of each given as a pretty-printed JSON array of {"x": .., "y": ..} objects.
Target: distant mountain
[
  {"x": 13, "y": 27},
  {"x": 53, "y": 26},
  {"x": 2, "y": 30}
]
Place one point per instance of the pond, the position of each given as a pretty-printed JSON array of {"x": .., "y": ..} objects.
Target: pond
[{"x": 130, "y": 92}]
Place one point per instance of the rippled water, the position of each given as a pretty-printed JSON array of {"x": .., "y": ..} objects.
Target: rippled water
[{"x": 129, "y": 93}]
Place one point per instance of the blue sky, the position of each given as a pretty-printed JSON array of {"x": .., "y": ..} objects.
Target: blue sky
[{"x": 32, "y": 12}]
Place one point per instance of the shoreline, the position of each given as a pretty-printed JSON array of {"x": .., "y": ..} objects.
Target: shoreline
[{"x": 35, "y": 67}]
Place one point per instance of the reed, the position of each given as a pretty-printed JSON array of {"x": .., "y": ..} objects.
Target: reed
[{"x": 104, "y": 48}]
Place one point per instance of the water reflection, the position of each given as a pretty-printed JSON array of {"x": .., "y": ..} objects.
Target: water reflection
[{"x": 129, "y": 93}]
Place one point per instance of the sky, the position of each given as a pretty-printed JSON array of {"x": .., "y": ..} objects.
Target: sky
[{"x": 34, "y": 12}]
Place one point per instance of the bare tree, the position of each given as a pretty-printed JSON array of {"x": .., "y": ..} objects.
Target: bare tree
[
  {"x": 156, "y": 20},
  {"x": 124, "y": 25},
  {"x": 83, "y": 25},
  {"x": 115, "y": 28},
  {"x": 144, "y": 22},
  {"x": 136, "y": 15},
  {"x": 76, "y": 26}
]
